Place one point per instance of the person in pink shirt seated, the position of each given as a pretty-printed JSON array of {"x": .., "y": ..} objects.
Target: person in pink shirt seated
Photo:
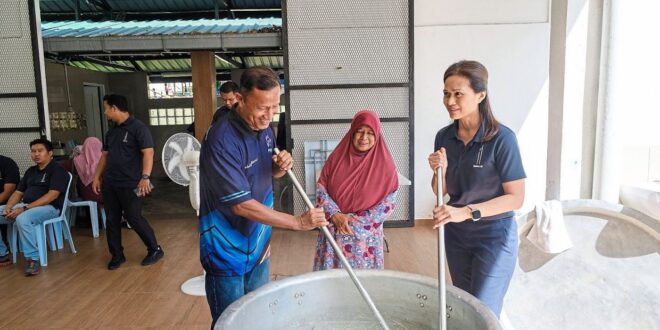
[{"x": 83, "y": 162}]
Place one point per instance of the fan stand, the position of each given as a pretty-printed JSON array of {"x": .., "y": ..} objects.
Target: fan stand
[{"x": 195, "y": 286}]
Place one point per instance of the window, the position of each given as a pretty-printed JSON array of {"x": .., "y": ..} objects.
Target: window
[
  {"x": 170, "y": 90},
  {"x": 171, "y": 116},
  {"x": 177, "y": 89}
]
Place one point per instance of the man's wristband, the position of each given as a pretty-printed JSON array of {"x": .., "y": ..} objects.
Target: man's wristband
[{"x": 145, "y": 177}]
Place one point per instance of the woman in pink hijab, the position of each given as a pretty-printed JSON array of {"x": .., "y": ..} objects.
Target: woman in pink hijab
[
  {"x": 357, "y": 190},
  {"x": 85, "y": 161}
]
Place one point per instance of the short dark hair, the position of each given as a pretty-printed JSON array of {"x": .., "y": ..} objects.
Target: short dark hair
[
  {"x": 258, "y": 77},
  {"x": 229, "y": 87},
  {"x": 117, "y": 100},
  {"x": 45, "y": 142}
]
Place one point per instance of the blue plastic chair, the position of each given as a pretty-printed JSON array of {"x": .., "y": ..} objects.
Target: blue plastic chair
[
  {"x": 93, "y": 214},
  {"x": 54, "y": 232}
]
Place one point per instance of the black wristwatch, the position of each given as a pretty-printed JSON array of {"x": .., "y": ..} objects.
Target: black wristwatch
[
  {"x": 25, "y": 208},
  {"x": 476, "y": 214},
  {"x": 145, "y": 177}
]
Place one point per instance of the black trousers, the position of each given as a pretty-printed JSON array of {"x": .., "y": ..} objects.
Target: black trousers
[{"x": 123, "y": 200}]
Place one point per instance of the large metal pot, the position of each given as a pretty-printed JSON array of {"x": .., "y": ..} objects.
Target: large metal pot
[{"x": 329, "y": 300}]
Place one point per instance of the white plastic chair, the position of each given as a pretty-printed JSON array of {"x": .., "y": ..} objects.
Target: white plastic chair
[{"x": 55, "y": 229}]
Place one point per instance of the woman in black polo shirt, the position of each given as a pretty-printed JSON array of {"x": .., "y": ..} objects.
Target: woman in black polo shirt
[{"x": 484, "y": 178}]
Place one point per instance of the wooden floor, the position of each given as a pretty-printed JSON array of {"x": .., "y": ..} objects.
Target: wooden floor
[{"x": 76, "y": 291}]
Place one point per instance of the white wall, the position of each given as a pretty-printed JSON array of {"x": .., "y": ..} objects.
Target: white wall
[
  {"x": 638, "y": 90},
  {"x": 516, "y": 55}
]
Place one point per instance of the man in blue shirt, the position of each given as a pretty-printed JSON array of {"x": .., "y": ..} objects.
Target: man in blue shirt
[
  {"x": 236, "y": 170},
  {"x": 39, "y": 196}
]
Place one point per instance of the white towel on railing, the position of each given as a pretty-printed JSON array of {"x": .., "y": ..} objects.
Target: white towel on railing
[{"x": 549, "y": 232}]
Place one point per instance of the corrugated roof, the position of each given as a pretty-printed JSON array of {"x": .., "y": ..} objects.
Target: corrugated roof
[
  {"x": 274, "y": 62},
  {"x": 179, "y": 65},
  {"x": 96, "y": 67},
  {"x": 68, "y": 6},
  {"x": 162, "y": 5},
  {"x": 64, "y": 6},
  {"x": 257, "y": 4},
  {"x": 63, "y": 29},
  {"x": 169, "y": 65}
]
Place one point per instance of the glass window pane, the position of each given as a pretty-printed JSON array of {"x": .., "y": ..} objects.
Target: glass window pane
[
  {"x": 179, "y": 120},
  {"x": 161, "y": 112},
  {"x": 187, "y": 111},
  {"x": 171, "y": 121},
  {"x": 188, "y": 120},
  {"x": 170, "y": 112},
  {"x": 153, "y": 121},
  {"x": 162, "y": 121},
  {"x": 153, "y": 113},
  {"x": 179, "y": 112}
]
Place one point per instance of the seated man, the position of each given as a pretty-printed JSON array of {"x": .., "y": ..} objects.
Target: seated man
[
  {"x": 9, "y": 176},
  {"x": 38, "y": 197}
]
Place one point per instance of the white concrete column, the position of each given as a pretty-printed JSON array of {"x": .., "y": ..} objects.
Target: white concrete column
[
  {"x": 566, "y": 87},
  {"x": 591, "y": 89},
  {"x": 611, "y": 103},
  {"x": 558, "y": 13}
]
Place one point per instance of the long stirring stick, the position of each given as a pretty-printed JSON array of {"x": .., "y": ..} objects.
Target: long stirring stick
[
  {"x": 442, "y": 299},
  {"x": 339, "y": 253}
]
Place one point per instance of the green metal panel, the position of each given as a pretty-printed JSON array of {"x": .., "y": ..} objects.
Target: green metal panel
[
  {"x": 178, "y": 65},
  {"x": 162, "y": 5},
  {"x": 98, "y": 67},
  {"x": 65, "y": 6},
  {"x": 68, "y": 6},
  {"x": 275, "y": 62},
  {"x": 156, "y": 27}
]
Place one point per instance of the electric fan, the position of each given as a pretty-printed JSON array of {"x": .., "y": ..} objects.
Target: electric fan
[{"x": 181, "y": 163}]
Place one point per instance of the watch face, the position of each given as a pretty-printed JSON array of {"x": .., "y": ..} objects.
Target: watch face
[{"x": 476, "y": 214}]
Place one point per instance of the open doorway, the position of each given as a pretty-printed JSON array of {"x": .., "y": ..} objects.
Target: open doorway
[{"x": 96, "y": 122}]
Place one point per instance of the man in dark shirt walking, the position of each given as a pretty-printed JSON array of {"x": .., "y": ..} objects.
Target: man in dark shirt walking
[
  {"x": 39, "y": 196},
  {"x": 122, "y": 176}
]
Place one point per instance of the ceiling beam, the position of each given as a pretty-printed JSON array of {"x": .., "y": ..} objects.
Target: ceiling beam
[
  {"x": 105, "y": 63},
  {"x": 136, "y": 65},
  {"x": 101, "y": 4},
  {"x": 230, "y": 60},
  {"x": 77, "y": 9},
  {"x": 230, "y": 8}
]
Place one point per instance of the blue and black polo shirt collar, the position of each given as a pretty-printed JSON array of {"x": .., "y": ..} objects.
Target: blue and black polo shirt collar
[
  {"x": 478, "y": 137},
  {"x": 240, "y": 124}
]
